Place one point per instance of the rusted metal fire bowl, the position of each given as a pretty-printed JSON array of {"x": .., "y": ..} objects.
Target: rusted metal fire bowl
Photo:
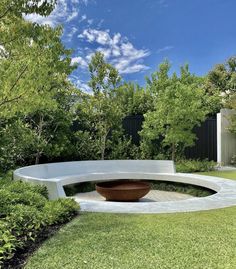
[{"x": 126, "y": 191}]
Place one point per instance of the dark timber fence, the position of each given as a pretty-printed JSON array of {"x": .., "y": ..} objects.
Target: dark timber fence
[{"x": 205, "y": 146}]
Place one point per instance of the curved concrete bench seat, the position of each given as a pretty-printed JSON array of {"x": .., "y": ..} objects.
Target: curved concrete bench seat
[{"x": 57, "y": 175}]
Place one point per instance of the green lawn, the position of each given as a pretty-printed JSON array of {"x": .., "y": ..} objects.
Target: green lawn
[
  {"x": 225, "y": 174},
  {"x": 202, "y": 240}
]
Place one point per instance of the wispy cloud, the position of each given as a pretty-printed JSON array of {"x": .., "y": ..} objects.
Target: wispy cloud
[
  {"x": 80, "y": 84},
  {"x": 65, "y": 11},
  {"x": 117, "y": 50},
  {"x": 166, "y": 48},
  {"x": 163, "y": 3},
  {"x": 80, "y": 61},
  {"x": 71, "y": 33}
]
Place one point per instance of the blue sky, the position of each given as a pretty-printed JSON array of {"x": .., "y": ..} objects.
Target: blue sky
[{"x": 137, "y": 35}]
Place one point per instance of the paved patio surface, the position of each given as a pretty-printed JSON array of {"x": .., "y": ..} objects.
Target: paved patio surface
[
  {"x": 165, "y": 202},
  {"x": 152, "y": 196}
]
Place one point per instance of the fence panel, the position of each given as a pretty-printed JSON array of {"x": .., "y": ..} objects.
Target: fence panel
[{"x": 205, "y": 146}]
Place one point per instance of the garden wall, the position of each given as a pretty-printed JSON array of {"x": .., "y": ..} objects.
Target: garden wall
[{"x": 226, "y": 146}]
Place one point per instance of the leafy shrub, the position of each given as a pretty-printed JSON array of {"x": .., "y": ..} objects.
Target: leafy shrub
[
  {"x": 233, "y": 160},
  {"x": 25, "y": 222},
  {"x": 72, "y": 189},
  {"x": 60, "y": 211},
  {"x": 193, "y": 190},
  {"x": 7, "y": 242},
  {"x": 26, "y": 213},
  {"x": 190, "y": 166},
  {"x": 29, "y": 198},
  {"x": 19, "y": 187}
]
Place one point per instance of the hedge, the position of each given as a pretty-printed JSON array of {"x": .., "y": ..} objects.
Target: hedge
[{"x": 26, "y": 212}]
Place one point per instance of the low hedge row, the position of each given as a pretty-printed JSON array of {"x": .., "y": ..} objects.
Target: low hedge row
[
  {"x": 25, "y": 213},
  {"x": 191, "y": 166}
]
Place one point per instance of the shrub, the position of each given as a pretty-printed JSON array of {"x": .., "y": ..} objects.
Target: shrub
[
  {"x": 25, "y": 223},
  {"x": 29, "y": 198},
  {"x": 7, "y": 242},
  {"x": 26, "y": 214},
  {"x": 60, "y": 211},
  {"x": 233, "y": 160},
  {"x": 19, "y": 187},
  {"x": 193, "y": 190},
  {"x": 72, "y": 189},
  {"x": 190, "y": 166}
]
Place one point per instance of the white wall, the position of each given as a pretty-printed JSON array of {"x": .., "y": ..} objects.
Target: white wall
[{"x": 226, "y": 141}]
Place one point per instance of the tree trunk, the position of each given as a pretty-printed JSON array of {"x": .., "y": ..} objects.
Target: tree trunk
[
  {"x": 40, "y": 130},
  {"x": 173, "y": 152},
  {"x": 103, "y": 147},
  {"x": 37, "y": 157}
]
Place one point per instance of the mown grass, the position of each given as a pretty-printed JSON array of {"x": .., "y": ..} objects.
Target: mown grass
[
  {"x": 224, "y": 174},
  {"x": 201, "y": 240}
]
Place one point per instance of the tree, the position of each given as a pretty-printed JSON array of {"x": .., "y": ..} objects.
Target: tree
[
  {"x": 179, "y": 105},
  {"x": 134, "y": 99},
  {"x": 35, "y": 93},
  {"x": 102, "y": 107},
  {"x": 32, "y": 60},
  {"x": 221, "y": 83}
]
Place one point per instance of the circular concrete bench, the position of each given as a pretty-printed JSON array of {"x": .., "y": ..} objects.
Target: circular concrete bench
[{"x": 57, "y": 175}]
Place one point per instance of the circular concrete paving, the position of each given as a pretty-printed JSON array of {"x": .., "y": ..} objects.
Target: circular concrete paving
[
  {"x": 152, "y": 196},
  {"x": 225, "y": 196}
]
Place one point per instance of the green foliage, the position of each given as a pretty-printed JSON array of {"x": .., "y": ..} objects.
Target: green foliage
[
  {"x": 121, "y": 147},
  {"x": 35, "y": 93},
  {"x": 51, "y": 132},
  {"x": 80, "y": 187},
  {"x": 101, "y": 110},
  {"x": 179, "y": 105},
  {"x": 221, "y": 84},
  {"x": 191, "y": 166},
  {"x": 11, "y": 198},
  {"x": 133, "y": 99},
  {"x": 60, "y": 211},
  {"x": 16, "y": 141},
  {"x": 19, "y": 7},
  {"x": 8, "y": 242},
  {"x": 193, "y": 190},
  {"x": 233, "y": 160},
  {"x": 25, "y": 222},
  {"x": 20, "y": 187},
  {"x": 25, "y": 213}
]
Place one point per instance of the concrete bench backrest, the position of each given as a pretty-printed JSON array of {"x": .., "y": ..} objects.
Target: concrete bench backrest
[{"x": 54, "y": 170}]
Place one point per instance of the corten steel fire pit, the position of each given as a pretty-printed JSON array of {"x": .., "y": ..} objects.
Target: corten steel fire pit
[{"x": 126, "y": 191}]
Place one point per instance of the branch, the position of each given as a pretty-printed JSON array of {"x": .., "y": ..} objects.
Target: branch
[
  {"x": 13, "y": 86},
  {"x": 5, "y": 101},
  {"x": 9, "y": 41},
  {"x": 5, "y": 13}
]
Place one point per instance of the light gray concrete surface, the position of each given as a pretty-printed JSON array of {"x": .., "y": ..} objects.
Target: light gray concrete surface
[
  {"x": 152, "y": 196},
  {"x": 56, "y": 175}
]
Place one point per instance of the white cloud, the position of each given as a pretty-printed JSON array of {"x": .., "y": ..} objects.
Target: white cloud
[
  {"x": 71, "y": 34},
  {"x": 62, "y": 13},
  {"x": 117, "y": 50},
  {"x": 73, "y": 15},
  {"x": 80, "y": 61},
  {"x": 163, "y": 3},
  {"x": 91, "y": 35},
  {"x": 83, "y": 17},
  {"x": 166, "y": 48},
  {"x": 90, "y": 21},
  {"x": 82, "y": 85}
]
